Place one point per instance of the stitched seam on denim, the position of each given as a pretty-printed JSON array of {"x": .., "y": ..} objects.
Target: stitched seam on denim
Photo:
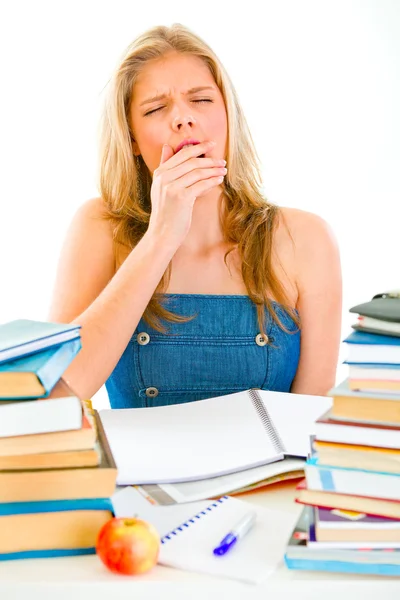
[
  {"x": 195, "y": 390},
  {"x": 139, "y": 375},
  {"x": 209, "y": 296},
  {"x": 194, "y": 343},
  {"x": 222, "y": 296},
  {"x": 267, "y": 354},
  {"x": 194, "y": 336},
  {"x": 215, "y": 297}
]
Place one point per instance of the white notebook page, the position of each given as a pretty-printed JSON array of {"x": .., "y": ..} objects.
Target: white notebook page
[
  {"x": 192, "y": 491},
  {"x": 183, "y": 442},
  {"x": 252, "y": 559},
  {"x": 128, "y": 502},
  {"x": 294, "y": 417}
]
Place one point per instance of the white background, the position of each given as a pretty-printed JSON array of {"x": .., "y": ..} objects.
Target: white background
[{"x": 319, "y": 82}]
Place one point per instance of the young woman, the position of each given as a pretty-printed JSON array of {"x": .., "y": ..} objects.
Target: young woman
[{"x": 186, "y": 281}]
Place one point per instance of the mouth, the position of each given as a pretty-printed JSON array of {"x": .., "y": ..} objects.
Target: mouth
[{"x": 188, "y": 142}]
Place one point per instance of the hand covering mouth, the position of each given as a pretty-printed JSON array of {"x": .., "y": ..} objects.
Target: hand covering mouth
[{"x": 188, "y": 143}]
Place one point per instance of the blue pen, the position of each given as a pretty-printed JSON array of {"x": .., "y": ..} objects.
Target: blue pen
[{"x": 239, "y": 531}]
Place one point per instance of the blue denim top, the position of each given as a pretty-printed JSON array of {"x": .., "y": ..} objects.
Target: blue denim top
[{"x": 219, "y": 352}]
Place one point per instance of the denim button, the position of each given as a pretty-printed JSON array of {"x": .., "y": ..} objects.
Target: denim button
[
  {"x": 261, "y": 340},
  {"x": 143, "y": 338},
  {"x": 151, "y": 392}
]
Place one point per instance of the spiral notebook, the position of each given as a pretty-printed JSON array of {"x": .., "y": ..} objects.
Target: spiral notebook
[
  {"x": 209, "y": 438},
  {"x": 190, "y": 532}
]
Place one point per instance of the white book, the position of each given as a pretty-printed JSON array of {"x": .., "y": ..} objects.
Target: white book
[
  {"x": 362, "y": 433},
  {"x": 378, "y": 324},
  {"x": 44, "y": 415},
  {"x": 209, "y": 438},
  {"x": 374, "y": 374},
  {"x": 353, "y": 482},
  {"x": 373, "y": 353}
]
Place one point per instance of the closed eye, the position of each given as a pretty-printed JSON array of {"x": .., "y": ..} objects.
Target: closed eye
[{"x": 161, "y": 107}]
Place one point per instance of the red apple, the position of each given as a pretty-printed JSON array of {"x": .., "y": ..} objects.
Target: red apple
[{"x": 127, "y": 545}]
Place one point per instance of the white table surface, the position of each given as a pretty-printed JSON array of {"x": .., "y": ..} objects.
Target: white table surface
[{"x": 74, "y": 578}]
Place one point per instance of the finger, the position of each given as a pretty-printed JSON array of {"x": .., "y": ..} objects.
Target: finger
[
  {"x": 166, "y": 153},
  {"x": 192, "y": 165},
  {"x": 199, "y": 174},
  {"x": 188, "y": 152},
  {"x": 201, "y": 187}
]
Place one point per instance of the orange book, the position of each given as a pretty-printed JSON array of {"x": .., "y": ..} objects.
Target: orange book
[
  {"x": 363, "y": 504},
  {"x": 352, "y": 404},
  {"x": 60, "y": 441},
  {"x": 51, "y": 460},
  {"x": 363, "y": 408},
  {"x": 353, "y": 456},
  {"x": 62, "y": 484}
]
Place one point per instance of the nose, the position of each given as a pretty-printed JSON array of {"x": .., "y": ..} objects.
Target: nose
[{"x": 182, "y": 121}]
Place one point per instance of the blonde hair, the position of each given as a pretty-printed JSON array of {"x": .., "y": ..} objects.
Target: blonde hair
[{"x": 248, "y": 220}]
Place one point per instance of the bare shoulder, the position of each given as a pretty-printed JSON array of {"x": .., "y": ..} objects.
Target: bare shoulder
[
  {"x": 300, "y": 232},
  {"x": 93, "y": 211},
  {"x": 317, "y": 274},
  {"x": 313, "y": 245},
  {"x": 90, "y": 227},
  {"x": 301, "y": 224},
  {"x": 86, "y": 261}
]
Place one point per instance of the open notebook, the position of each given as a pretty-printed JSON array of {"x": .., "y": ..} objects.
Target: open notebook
[
  {"x": 189, "y": 533},
  {"x": 212, "y": 437},
  {"x": 233, "y": 483}
]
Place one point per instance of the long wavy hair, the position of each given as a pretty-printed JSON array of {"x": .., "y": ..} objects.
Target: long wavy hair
[{"x": 248, "y": 220}]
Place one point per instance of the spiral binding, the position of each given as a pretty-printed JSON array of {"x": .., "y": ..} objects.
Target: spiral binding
[
  {"x": 266, "y": 421},
  {"x": 193, "y": 520}
]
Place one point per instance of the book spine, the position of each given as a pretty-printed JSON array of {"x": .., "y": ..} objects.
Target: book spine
[
  {"x": 50, "y": 506},
  {"x": 353, "y": 482},
  {"x": 267, "y": 421},
  {"x": 336, "y": 566},
  {"x": 57, "y": 552},
  {"x": 103, "y": 441}
]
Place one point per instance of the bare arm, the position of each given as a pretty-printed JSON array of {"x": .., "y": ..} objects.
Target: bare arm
[
  {"x": 109, "y": 305},
  {"x": 106, "y": 304},
  {"x": 319, "y": 283}
]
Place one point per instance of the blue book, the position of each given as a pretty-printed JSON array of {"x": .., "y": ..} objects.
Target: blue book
[
  {"x": 22, "y": 337},
  {"x": 371, "y": 348},
  {"x": 299, "y": 555},
  {"x": 361, "y": 337},
  {"x": 35, "y": 375},
  {"x": 52, "y": 528},
  {"x": 50, "y": 506},
  {"x": 374, "y": 366},
  {"x": 313, "y": 563},
  {"x": 47, "y": 553}
]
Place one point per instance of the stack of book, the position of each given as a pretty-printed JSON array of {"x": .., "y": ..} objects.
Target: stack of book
[
  {"x": 351, "y": 518},
  {"x": 57, "y": 473}
]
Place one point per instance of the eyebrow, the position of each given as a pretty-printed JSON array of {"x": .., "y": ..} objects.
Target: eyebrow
[{"x": 191, "y": 91}]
